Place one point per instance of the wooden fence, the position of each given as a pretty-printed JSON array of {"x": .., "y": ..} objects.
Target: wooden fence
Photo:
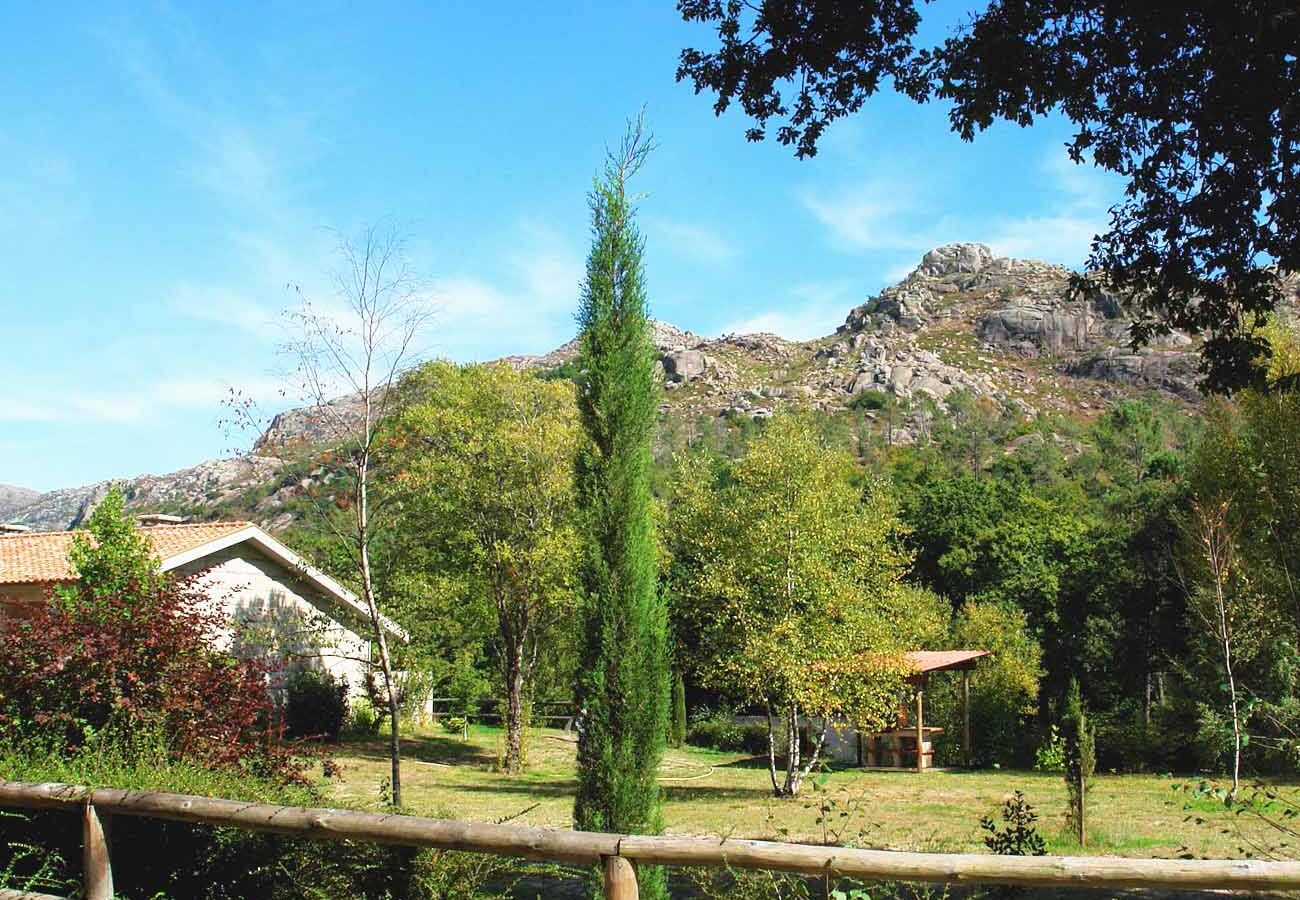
[
  {"x": 489, "y": 709},
  {"x": 618, "y": 854}
]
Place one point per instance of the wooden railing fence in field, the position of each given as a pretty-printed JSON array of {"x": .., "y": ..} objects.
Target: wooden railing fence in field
[{"x": 618, "y": 854}]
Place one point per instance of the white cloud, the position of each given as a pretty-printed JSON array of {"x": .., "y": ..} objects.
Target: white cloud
[
  {"x": 131, "y": 404},
  {"x": 525, "y": 307},
  {"x": 864, "y": 216},
  {"x": 1066, "y": 239},
  {"x": 224, "y": 306},
  {"x": 890, "y": 213},
  {"x": 813, "y": 310},
  {"x": 693, "y": 241}
]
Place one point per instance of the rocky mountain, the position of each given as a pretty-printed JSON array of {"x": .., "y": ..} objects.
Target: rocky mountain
[
  {"x": 1006, "y": 330},
  {"x": 206, "y": 485},
  {"x": 963, "y": 319},
  {"x": 14, "y": 498}
]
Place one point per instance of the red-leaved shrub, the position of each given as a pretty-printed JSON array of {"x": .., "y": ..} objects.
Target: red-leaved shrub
[{"x": 139, "y": 661}]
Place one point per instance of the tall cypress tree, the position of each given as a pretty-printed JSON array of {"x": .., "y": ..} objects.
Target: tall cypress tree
[
  {"x": 623, "y": 670},
  {"x": 1080, "y": 761}
]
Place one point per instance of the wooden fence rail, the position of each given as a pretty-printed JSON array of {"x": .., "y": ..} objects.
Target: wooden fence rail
[{"x": 617, "y": 853}]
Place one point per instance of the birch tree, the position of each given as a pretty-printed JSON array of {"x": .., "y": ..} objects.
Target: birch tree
[
  {"x": 788, "y": 579},
  {"x": 1222, "y": 603}
]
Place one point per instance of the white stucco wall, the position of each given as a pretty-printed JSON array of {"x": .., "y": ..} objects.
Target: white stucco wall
[{"x": 275, "y": 613}]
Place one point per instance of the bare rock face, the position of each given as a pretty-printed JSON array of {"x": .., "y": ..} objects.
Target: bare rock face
[
  {"x": 13, "y": 498},
  {"x": 684, "y": 365},
  {"x": 1040, "y": 328},
  {"x": 311, "y": 426},
  {"x": 955, "y": 259},
  {"x": 1167, "y": 370},
  {"x": 208, "y": 483},
  {"x": 1007, "y": 307}
]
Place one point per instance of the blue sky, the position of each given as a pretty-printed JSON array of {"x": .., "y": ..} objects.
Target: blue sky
[{"x": 166, "y": 171}]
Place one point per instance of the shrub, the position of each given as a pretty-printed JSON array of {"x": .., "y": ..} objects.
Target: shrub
[
  {"x": 127, "y": 651},
  {"x": 718, "y": 729},
  {"x": 869, "y": 400},
  {"x": 1050, "y": 755},
  {"x": 1018, "y": 836},
  {"x": 316, "y": 705},
  {"x": 136, "y": 661},
  {"x": 1080, "y": 760},
  {"x": 362, "y": 720}
]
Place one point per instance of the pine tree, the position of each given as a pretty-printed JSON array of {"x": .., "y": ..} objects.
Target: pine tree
[
  {"x": 623, "y": 672},
  {"x": 677, "y": 725},
  {"x": 1080, "y": 760}
]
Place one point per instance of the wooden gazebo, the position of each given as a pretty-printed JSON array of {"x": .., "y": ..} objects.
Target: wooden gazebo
[{"x": 911, "y": 740}]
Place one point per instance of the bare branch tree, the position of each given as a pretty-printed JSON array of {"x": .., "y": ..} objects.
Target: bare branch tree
[{"x": 346, "y": 356}]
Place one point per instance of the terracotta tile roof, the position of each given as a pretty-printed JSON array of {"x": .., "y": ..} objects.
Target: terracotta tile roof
[{"x": 42, "y": 557}]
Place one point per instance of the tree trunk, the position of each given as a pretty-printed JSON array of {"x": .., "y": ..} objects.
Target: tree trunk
[
  {"x": 1146, "y": 702},
  {"x": 514, "y": 760},
  {"x": 771, "y": 752},
  {"x": 817, "y": 748},
  {"x": 381, "y": 640},
  {"x": 1236, "y": 718},
  {"x": 792, "y": 753}
]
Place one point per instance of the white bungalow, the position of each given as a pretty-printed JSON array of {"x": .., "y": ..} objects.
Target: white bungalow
[{"x": 277, "y": 604}]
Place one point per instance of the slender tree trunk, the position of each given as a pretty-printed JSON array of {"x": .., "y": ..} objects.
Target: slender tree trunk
[
  {"x": 381, "y": 640},
  {"x": 771, "y": 751},
  {"x": 1236, "y": 717},
  {"x": 1146, "y": 702},
  {"x": 1219, "y": 560},
  {"x": 792, "y": 752},
  {"x": 815, "y": 756}
]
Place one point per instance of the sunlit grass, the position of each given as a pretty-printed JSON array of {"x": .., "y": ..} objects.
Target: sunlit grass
[{"x": 707, "y": 792}]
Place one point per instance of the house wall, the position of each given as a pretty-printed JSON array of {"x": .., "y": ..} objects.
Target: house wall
[
  {"x": 16, "y": 599},
  {"x": 276, "y": 615}
]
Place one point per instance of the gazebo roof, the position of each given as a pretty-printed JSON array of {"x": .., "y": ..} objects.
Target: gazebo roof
[{"x": 924, "y": 661}]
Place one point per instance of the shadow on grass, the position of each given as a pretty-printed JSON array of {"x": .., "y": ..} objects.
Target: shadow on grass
[
  {"x": 424, "y": 748},
  {"x": 748, "y": 762},
  {"x": 694, "y": 793},
  {"x": 537, "y": 789}
]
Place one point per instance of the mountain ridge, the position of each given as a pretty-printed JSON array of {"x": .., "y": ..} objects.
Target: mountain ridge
[{"x": 1009, "y": 331}]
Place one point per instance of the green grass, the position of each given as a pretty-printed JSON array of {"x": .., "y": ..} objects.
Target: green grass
[{"x": 713, "y": 793}]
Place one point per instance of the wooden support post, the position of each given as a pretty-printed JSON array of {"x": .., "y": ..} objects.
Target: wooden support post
[
  {"x": 965, "y": 717},
  {"x": 920, "y": 730},
  {"x": 98, "y": 870},
  {"x": 620, "y": 878}
]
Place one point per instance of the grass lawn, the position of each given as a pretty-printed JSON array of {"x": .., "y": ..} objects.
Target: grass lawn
[{"x": 727, "y": 794}]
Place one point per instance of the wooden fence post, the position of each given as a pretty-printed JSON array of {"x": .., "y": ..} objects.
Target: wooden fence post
[
  {"x": 920, "y": 730},
  {"x": 965, "y": 718},
  {"x": 94, "y": 844},
  {"x": 620, "y": 878}
]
